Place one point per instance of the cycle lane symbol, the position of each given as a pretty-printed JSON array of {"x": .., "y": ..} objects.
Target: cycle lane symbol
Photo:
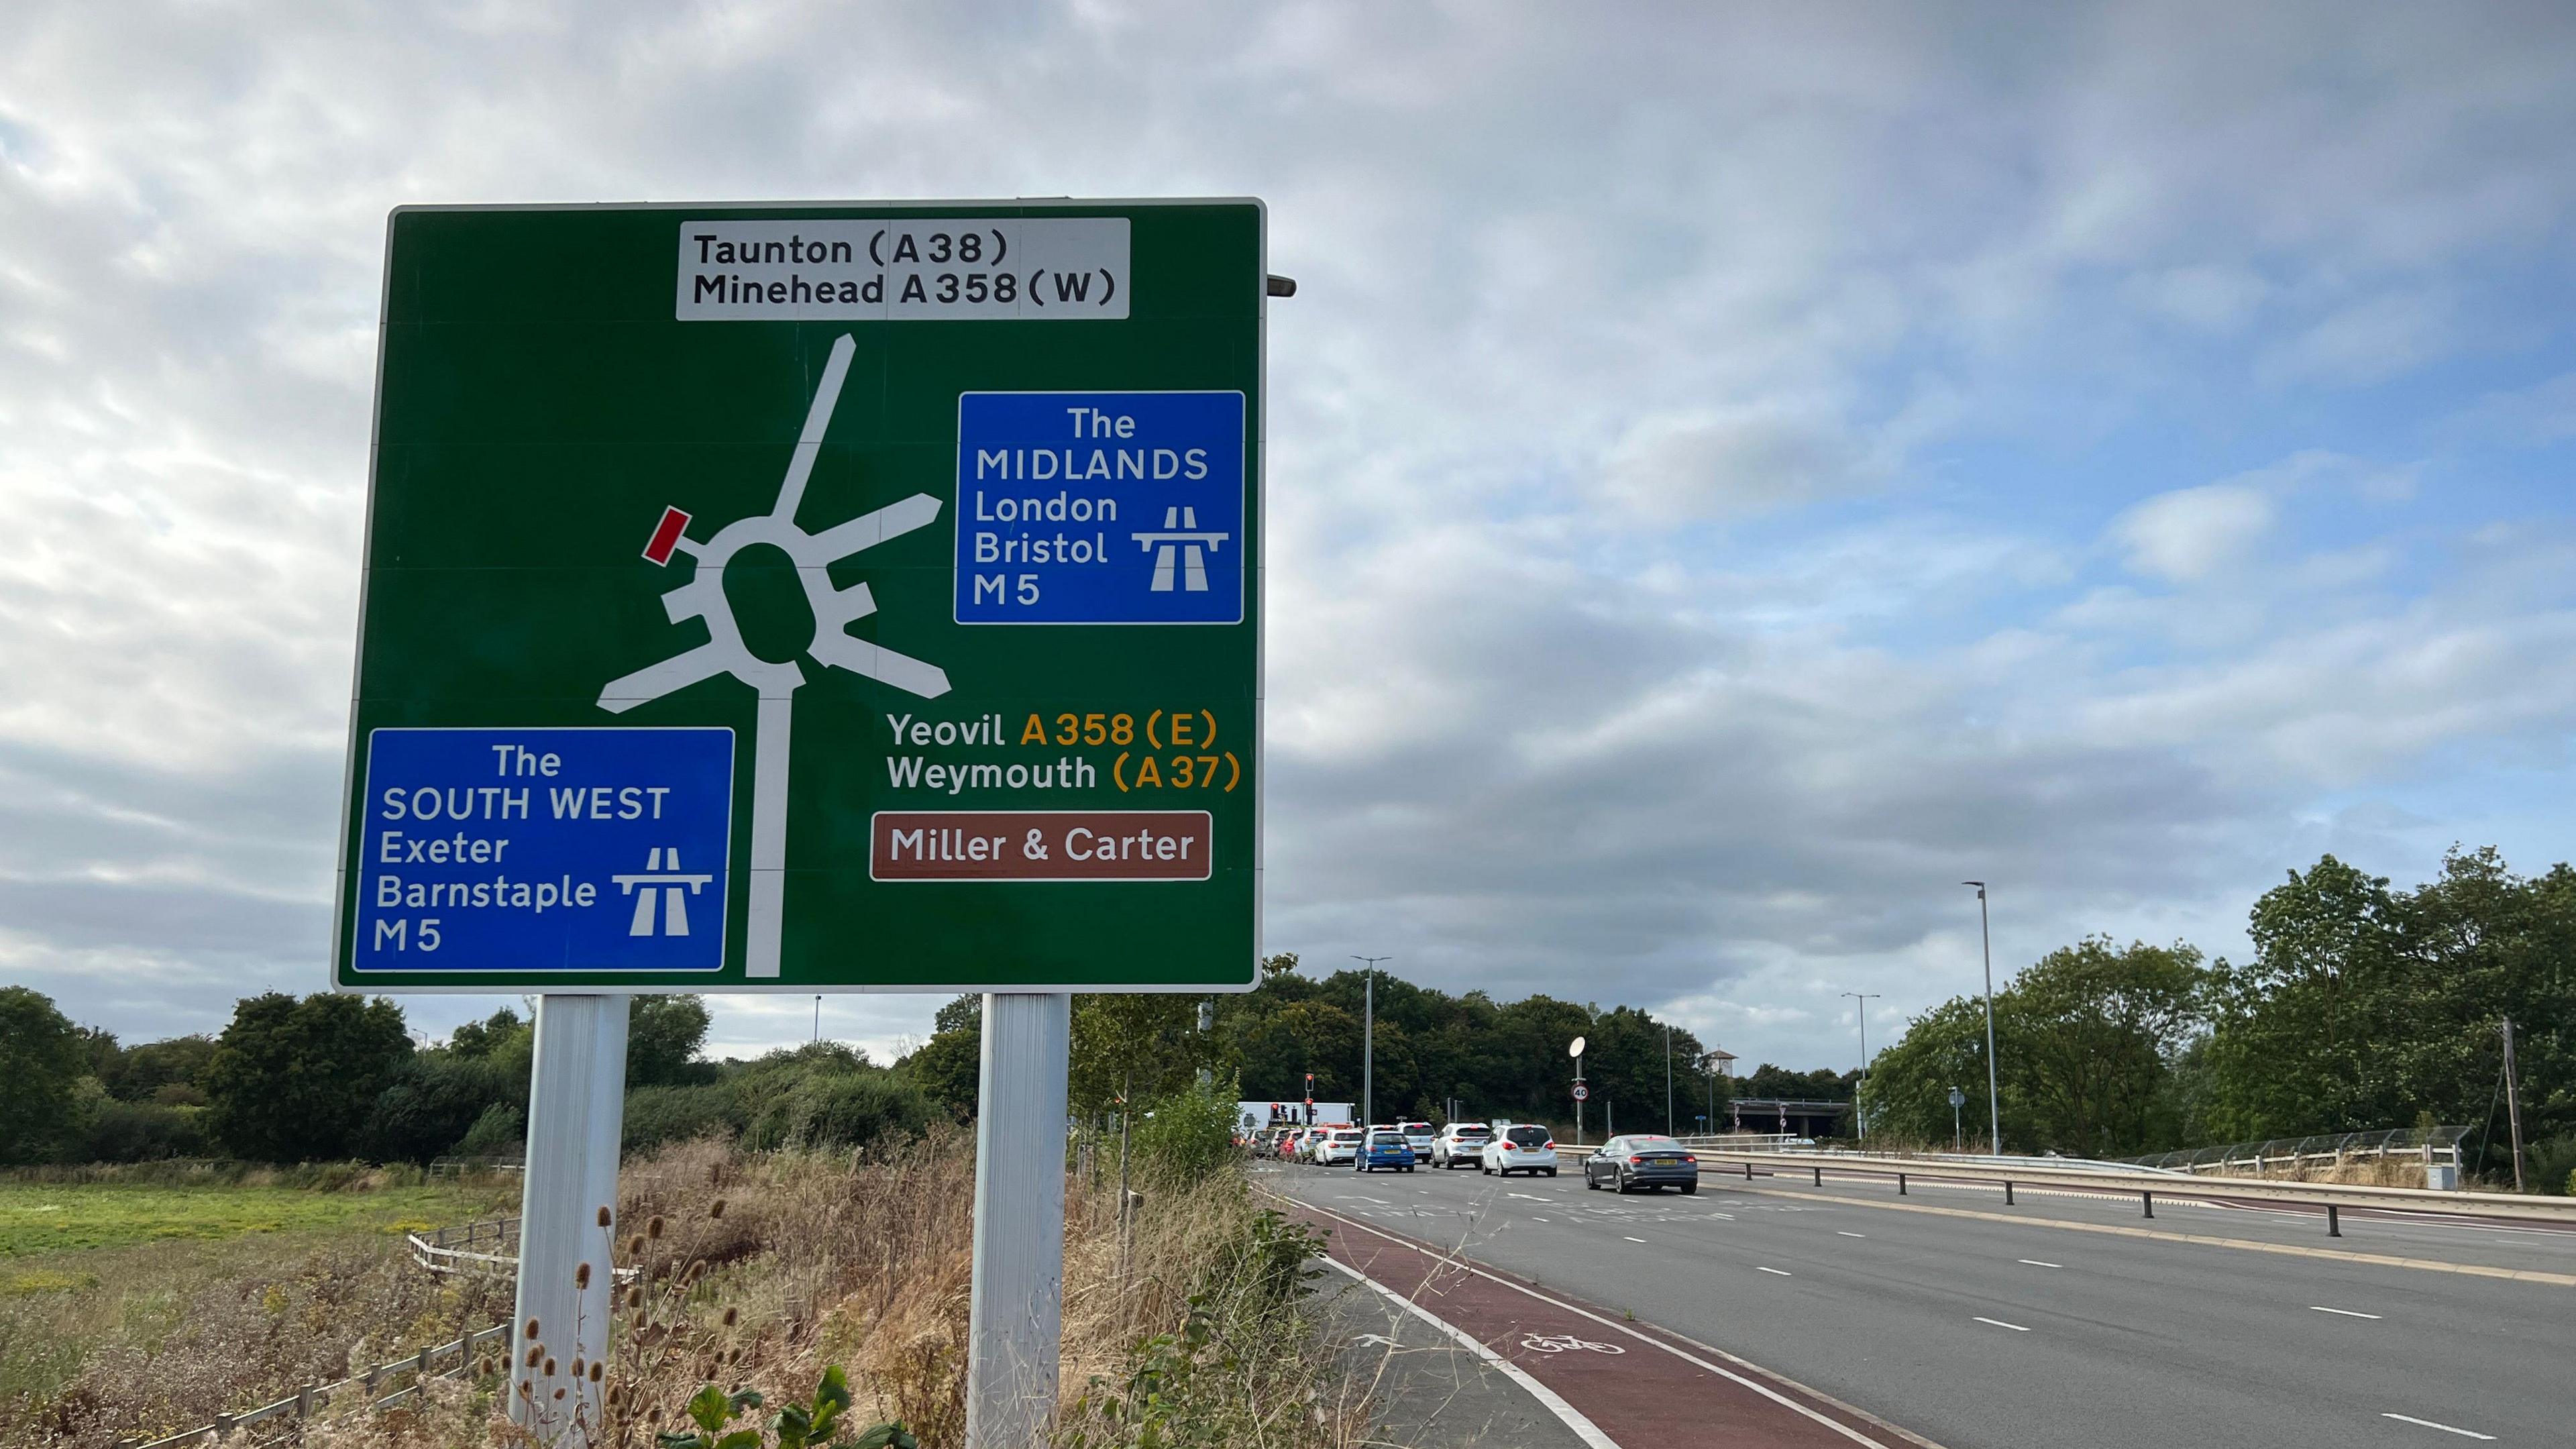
[{"x": 1566, "y": 1343}]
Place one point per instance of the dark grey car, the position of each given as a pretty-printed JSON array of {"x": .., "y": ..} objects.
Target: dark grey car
[{"x": 1630, "y": 1163}]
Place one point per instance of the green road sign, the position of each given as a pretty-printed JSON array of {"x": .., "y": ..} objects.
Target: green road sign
[{"x": 811, "y": 598}]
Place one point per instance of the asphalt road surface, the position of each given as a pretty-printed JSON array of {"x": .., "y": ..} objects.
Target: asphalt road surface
[{"x": 2063, "y": 1320}]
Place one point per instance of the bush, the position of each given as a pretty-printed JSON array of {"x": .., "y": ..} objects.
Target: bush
[
  {"x": 434, "y": 1100},
  {"x": 659, "y": 1115},
  {"x": 1185, "y": 1136},
  {"x": 824, "y": 1109},
  {"x": 141, "y": 1132},
  {"x": 500, "y": 1131},
  {"x": 2553, "y": 1165}
]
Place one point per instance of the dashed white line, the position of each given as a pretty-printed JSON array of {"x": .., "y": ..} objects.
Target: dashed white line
[
  {"x": 1633, "y": 1240},
  {"x": 1758, "y": 1268},
  {"x": 2344, "y": 1312},
  {"x": 2034, "y": 1262},
  {"x": 1999, "y": 1323},
  {"x": 1841, "y": 1234},
  {"x": 2445, "y": 1428},
  {"x": 1538, "y": 1220}
]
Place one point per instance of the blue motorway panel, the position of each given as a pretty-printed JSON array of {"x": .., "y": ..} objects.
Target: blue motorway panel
[
  {"x": 1100, "y": 508},
  {"x": 544, "y": 850}
]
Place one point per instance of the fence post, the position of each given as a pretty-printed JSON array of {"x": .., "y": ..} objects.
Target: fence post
[
  {"x": 304, "y": 1402},
  {"x": 223, "y": 1426}
]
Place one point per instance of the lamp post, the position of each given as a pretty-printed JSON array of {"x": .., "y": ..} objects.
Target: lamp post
[
  {"x": 1368, "y": 1051},
  {"x": 1668, "y": 1079},
  {"x": 1860, "y": 1117},
  {"x": 1994, "y": 1102}
]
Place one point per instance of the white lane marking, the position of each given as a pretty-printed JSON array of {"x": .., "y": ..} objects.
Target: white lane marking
[
  {"x": 1538, "y": 1220},
  {"x": 1999, "y": 1323},
  {"x": 2034, "y": 1262},
  {"x": 1633, "y": 1240},
  {"x": 2345, "y": 1312},
  {"x": 2445, "y": 1428},
  {"x": 1529, "y": 1197},
  {"x": 1775, "y": 1272},
  {"x": 1839, "y": 1233},
  {"x": 1694, "y": 1360},
  {"x": 1572, "y": 1417}
]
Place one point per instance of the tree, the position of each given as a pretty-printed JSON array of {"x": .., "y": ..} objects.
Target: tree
[
  {"x": 663, "y": 1037},
  {"x": 2367, "y": 1007},
  {"x": 158, "y": 1071},
  {"x": 41, "y": 1057},
  {"x": 295, "y": 1080},
  {"x": 2087, "y": 1042},
  {"x": 948, "y": 1068},
  {"x": 2092, "y": 1034}
]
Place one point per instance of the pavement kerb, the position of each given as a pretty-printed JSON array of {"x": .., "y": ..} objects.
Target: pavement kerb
[
  {"x": 1572, "y": 1417},
  {"x": 2341, "y": 1255},
  {"x": 1665, "y": 1339}
]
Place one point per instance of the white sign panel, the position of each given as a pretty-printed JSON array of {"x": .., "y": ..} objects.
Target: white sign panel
[{"x": 1069, "y": 269}]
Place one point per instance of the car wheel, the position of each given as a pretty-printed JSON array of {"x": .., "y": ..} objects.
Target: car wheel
[
  {"x": 1588, "y": 1184},
  {"x": 1551, "y": 1172},
  {"x": 1690, "y": 1189}
]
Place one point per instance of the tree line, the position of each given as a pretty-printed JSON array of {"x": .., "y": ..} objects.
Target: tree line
[
  {"x": 2363, "y": 1007},
  {"x": 1493, "y": 1059},
  {"x": 330, "y": 1077}
]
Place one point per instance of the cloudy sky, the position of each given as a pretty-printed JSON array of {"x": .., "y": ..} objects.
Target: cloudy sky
[{"x": 1734, "y": 474}]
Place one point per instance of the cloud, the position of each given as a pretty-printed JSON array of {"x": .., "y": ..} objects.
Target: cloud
[
  {"x": 2190, "y": 533},
  {"x": 1688, "y": 448}
]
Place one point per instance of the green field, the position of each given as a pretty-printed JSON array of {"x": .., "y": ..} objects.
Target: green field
[{"x": 51, "y": 1218}]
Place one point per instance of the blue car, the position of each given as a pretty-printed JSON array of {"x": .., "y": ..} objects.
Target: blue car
[{"x": 1386, "y": 1149}]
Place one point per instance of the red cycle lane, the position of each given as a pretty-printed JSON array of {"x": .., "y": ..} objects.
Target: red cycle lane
[{"x": 1638, "y": 1384}]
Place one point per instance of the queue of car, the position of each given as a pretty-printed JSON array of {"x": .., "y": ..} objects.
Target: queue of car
[{"x": 1500, "y": 1148}]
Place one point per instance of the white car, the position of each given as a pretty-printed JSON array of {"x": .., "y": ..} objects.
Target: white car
[
  {"x": 1520, "y": 1148},
  {"x": 1459, "y": 1143},
  {"x": 1341, "y": 1144}
]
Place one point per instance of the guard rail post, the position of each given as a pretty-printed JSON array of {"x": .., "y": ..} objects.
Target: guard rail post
[
  {"x": 2334, "y": 1221},
  {"x": 2148, "y": 1200},
  {"x": 1900, "y": 1184},
  {"x": 1819, "y": 1171},
  {"x": 2008, "y": 1201}
]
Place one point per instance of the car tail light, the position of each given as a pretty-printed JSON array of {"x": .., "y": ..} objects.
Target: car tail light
[
  {"x": 1550, "y": 1147},
  {"x": 1635, "y": 1161}
]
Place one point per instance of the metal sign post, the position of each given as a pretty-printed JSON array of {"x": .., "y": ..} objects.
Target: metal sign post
[
  {"x": 1574, "y": 1049},
  {"x": 1015, "y": 1307},
  {"x": 810, "y": 598},
  {"x": 567, "y": 1215}
]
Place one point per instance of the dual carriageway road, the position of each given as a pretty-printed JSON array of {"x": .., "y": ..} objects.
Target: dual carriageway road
[{"x": 2065, "y": 1319}]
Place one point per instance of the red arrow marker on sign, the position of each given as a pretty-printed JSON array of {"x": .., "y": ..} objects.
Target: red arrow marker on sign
[{"x": 666, "y": 535}]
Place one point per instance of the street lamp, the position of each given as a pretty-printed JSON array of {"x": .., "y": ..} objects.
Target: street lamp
[
  {"x": 1668, "y": 1079},
  {"x": 1860, "y": 1118},
  {"x": 1994, "y": 1101},
  {"x": 1368, "y": 1052}
]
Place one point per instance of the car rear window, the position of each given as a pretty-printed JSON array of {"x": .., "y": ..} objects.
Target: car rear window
[
  {"x": 1528, "y": 1136},
  {"x": 1657, "y": 1144},
  {"x": 1350, "y": 1136},
  {"x": 1470, "y": 1132}
]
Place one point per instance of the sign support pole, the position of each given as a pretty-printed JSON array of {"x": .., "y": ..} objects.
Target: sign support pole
[
  {"x": 576, "y": 1117},
  {"x": 1016, "y": 1304}
]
